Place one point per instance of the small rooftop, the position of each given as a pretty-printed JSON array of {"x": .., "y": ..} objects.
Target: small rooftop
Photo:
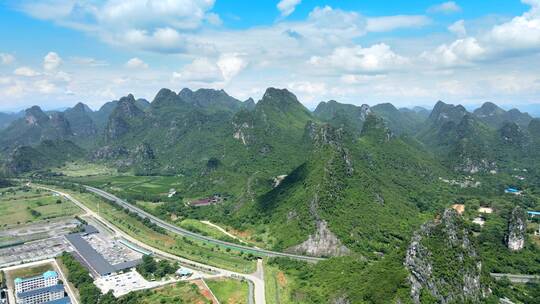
[{"x": 54, "y": 288}]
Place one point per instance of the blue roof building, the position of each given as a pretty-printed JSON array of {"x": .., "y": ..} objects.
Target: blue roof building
[{"x": 41, "y": 295}]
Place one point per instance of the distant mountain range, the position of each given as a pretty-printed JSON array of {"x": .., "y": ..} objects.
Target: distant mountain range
[{"x": 355, "y": 181}]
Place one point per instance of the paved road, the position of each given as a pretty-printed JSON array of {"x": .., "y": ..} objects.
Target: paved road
[
  {"x": 257, "y": 278},
  {"x": 516, "y": 278},
  {"x": 175, "y": 229}
]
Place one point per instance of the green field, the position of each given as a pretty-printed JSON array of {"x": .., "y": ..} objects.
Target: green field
[
  {"x": 229, "y": 291},
  {"x": 176, "y": 293},
  {"x": 27, "y": 206},
  {"x": 30, "y": 271},
  {"x": 277, "y": 285},
  {"x": 134, "y": 185},
  {"x": 81, "y": 169},
  {"x": 202, "y": 228},
  {"x": 174, "y": 244}
]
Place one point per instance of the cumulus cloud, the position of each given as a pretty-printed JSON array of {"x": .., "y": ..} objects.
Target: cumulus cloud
[
  {"x": 448, "y": 7},
  {"x": 458, "y": 53},
  {"x": 6, "y": 58},
  {"x": 374, "y": 59},
  {"x": 45, "y": 87},
  {"x": 230, "y": 65},
  {"x": 51, "y": 61},
  {"x": 206, "y": 70},
  {"x": 520, "y": 33},
  {"x": 389, "y": 23},
  {"x": 458, "y": 28},
  {"x": 287, "y": 7},
  {"x": 136, "y": 63},
  {"x": 25, "y": 72},
  {"x": 200, "y": 70},
  {"x": 153, "y": 23}
]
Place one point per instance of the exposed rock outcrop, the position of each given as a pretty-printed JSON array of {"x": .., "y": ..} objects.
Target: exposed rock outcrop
[
  {"x": 322, "y": 242},
  {"x": 443, "y": 262},
  {"x": 516, "y": 229}
]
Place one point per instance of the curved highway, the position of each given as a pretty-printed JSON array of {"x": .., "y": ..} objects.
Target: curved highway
[{"x": 183, "y": 232}]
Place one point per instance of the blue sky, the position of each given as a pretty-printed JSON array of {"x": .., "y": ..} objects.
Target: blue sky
[{"x": 58, "y": 52}]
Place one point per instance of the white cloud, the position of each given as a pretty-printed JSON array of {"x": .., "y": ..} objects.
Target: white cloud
[
  {"x": 230, "y": 65},
  {"x": 51, "y": 61},
  {"x": 458, "y": 28},
  {"x": 200, "y": 70},
  {"x": 136, "y": 63},
  {"x": 445, "y": 8},
  {"x": 88, "y": 61},
  {"x": 26, "y": 72},
  {"x": 153, "y": 25},
  {"x": 214, "y": 19},
  {"x": 520, "y": 33},
  {"x": 131, "y": 14},
  {"x": 204, "y": 70},
  {"x": 389, "y": 23},
  {"x": 358, "y": 60},
  {"x": 44, "y": 86},
  {"x": 6, "y": 58},
  {"x": 460, "y": 52},
  {"x": 287, "y": 7}
]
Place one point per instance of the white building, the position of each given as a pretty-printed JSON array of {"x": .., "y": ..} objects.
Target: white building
[
  {"x": 47, "y": 279},
  {"x": 40, "y": 289}
]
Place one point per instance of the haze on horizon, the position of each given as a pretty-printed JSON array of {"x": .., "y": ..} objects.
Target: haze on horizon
[{"x": 467, "y": 52}]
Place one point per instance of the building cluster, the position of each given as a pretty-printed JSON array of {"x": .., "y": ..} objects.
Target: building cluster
[{"x": 42, "y": 289}]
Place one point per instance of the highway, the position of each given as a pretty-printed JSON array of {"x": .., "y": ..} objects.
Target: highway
[
  {"x": 183, "y": 232},
  {"x": 257, "y": 278},
  {"x": 516, "y": 278}
]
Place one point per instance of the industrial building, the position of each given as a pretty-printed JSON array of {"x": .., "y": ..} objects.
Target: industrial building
[{"x": 95, "y": 261}]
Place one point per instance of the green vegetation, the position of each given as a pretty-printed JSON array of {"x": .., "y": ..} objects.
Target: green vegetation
[
  {"x": 277, "y": 285},
  {"x": 81, "y": 169},
  {"x": 229, "y": 291},
  {"x": 79, "y": 276},
  {"x": 191, "y": 249},
  {"x": 204, "y": 229},
  {"x": 150, "y": 269},
  {"x": 178, "y": 293},
  {"x": 28, "y": 272},
  {"x": 23, "y": 205},
  {"x": 365, "y": 179}
]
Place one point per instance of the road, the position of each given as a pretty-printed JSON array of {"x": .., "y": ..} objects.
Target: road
[
  {"x": 516, "y": 278},
  {"x": 256, "y": 278},
  {"x": 183, "y": 232}
]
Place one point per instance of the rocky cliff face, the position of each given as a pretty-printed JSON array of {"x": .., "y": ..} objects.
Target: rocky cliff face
[
  {"x": 443, "y": 262},
  {"x": 517, "y": 224},
  {"x": 322, "y": 242}
]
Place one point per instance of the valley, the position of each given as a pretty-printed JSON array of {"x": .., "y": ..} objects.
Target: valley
[{"x": 333, "y": 201}]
